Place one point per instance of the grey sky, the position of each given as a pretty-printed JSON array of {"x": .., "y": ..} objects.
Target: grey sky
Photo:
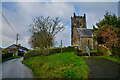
[{"x": 20, "y": 15}]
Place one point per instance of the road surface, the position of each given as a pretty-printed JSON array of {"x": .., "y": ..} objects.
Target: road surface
[
  {"x": 15, "y": 69},
  {"x": 103, "y": 68}
]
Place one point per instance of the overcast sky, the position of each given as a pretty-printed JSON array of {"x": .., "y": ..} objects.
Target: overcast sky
[{"x": 20, "y": 15}]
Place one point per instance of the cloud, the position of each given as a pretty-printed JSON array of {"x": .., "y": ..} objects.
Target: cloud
[
  {"x": 19, "y": 22},
  {"x": 20, "y": 17},
  {"x": 95, "y": 11},
  {"x": 62, "y": 10}
]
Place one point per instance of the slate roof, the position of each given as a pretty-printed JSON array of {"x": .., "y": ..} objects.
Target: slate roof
[
  {"x": 83, "y": 32},
  {"x": 14, "y": 46}
]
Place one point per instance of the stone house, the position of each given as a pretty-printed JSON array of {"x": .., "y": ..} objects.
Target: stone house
[
  {"x": 80, "y": 35},
  {"x": 15, "y": 48}
]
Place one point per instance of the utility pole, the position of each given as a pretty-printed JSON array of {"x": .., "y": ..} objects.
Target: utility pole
[
  {"x": 17, "y": 39},
  {"x": 61, "y": 46},
  {"x": 17, "y": 44}
]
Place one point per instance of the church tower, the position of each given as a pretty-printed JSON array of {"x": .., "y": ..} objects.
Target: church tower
[{"x": 77, "y": 22}]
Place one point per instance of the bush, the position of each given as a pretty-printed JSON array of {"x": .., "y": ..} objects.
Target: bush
[
  {"x": 116, "y": 51},
  {"x": 103, "y": 51},
  {"x": 6, "y": 55},
  {"x": 5, "y": 51}
]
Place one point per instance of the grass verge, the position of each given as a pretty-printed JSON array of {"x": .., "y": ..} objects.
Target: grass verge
[
  {"x": 59, "y": 65},
  {"x": 10, "y": 58},
  {"x": 91, "y": 51},
  {"x": 106, "y": 57},
  {"x": 112, "y": 58}
]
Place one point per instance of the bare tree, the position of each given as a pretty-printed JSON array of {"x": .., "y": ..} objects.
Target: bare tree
[{"x": 44, "y": 30}]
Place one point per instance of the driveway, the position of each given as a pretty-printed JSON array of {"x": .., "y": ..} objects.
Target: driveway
[
  {"x": 15, "y": 69},
  {"x": 103, "y": 68}
]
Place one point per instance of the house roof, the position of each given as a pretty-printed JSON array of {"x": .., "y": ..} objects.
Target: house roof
[
  {"x": 83, "y": 32},
  {"x": 14, "y": 46},
  {"x": 0, "y": 48}
]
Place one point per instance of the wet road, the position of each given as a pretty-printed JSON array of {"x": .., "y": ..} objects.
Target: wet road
[
  {"x": 103, "y": 68},
  {"x": 15, "y": 69}
]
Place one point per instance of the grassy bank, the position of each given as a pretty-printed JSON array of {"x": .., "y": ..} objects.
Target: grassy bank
[
  {"x": 111, "y": 58},
  {"x": 10, "y": 58},
  {"x": 59, "y": 65}
]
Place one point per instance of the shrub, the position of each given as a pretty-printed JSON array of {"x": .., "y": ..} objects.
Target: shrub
[
  {"x": 116, "y": 51},
  {"x": 103, "y": 50},
  {"x": 5, "y": 51}
]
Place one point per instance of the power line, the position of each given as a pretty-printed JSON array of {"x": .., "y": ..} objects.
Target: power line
[
  {"x": 8, "y": 22},
  {"x": 10, "y": 25},
  {"x": 18, "y": 35}
]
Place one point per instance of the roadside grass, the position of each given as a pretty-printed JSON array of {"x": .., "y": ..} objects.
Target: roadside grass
[
  {"x": 10, "y": 58},
  {"x": 59, "y": 65},
  {"x": 91, "y": 51},
  {"x": 106, "y": 57},
  {"x": 112, "y": 58}
]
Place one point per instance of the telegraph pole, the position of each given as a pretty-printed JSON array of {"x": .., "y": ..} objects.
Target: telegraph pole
[
  {"x": 61, "y": 46},
  {"x": 17, "y": 39}
]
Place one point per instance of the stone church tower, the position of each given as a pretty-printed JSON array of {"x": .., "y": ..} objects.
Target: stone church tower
[{"x": 80, "y": 35}]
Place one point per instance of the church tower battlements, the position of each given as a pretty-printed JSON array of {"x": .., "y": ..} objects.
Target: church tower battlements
[{"x": 78, "y": 21}]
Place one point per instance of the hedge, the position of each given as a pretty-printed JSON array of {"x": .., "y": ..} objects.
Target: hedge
[
  {"x": 7, "y": 55},
  {"x": 37, "y": 52}
]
